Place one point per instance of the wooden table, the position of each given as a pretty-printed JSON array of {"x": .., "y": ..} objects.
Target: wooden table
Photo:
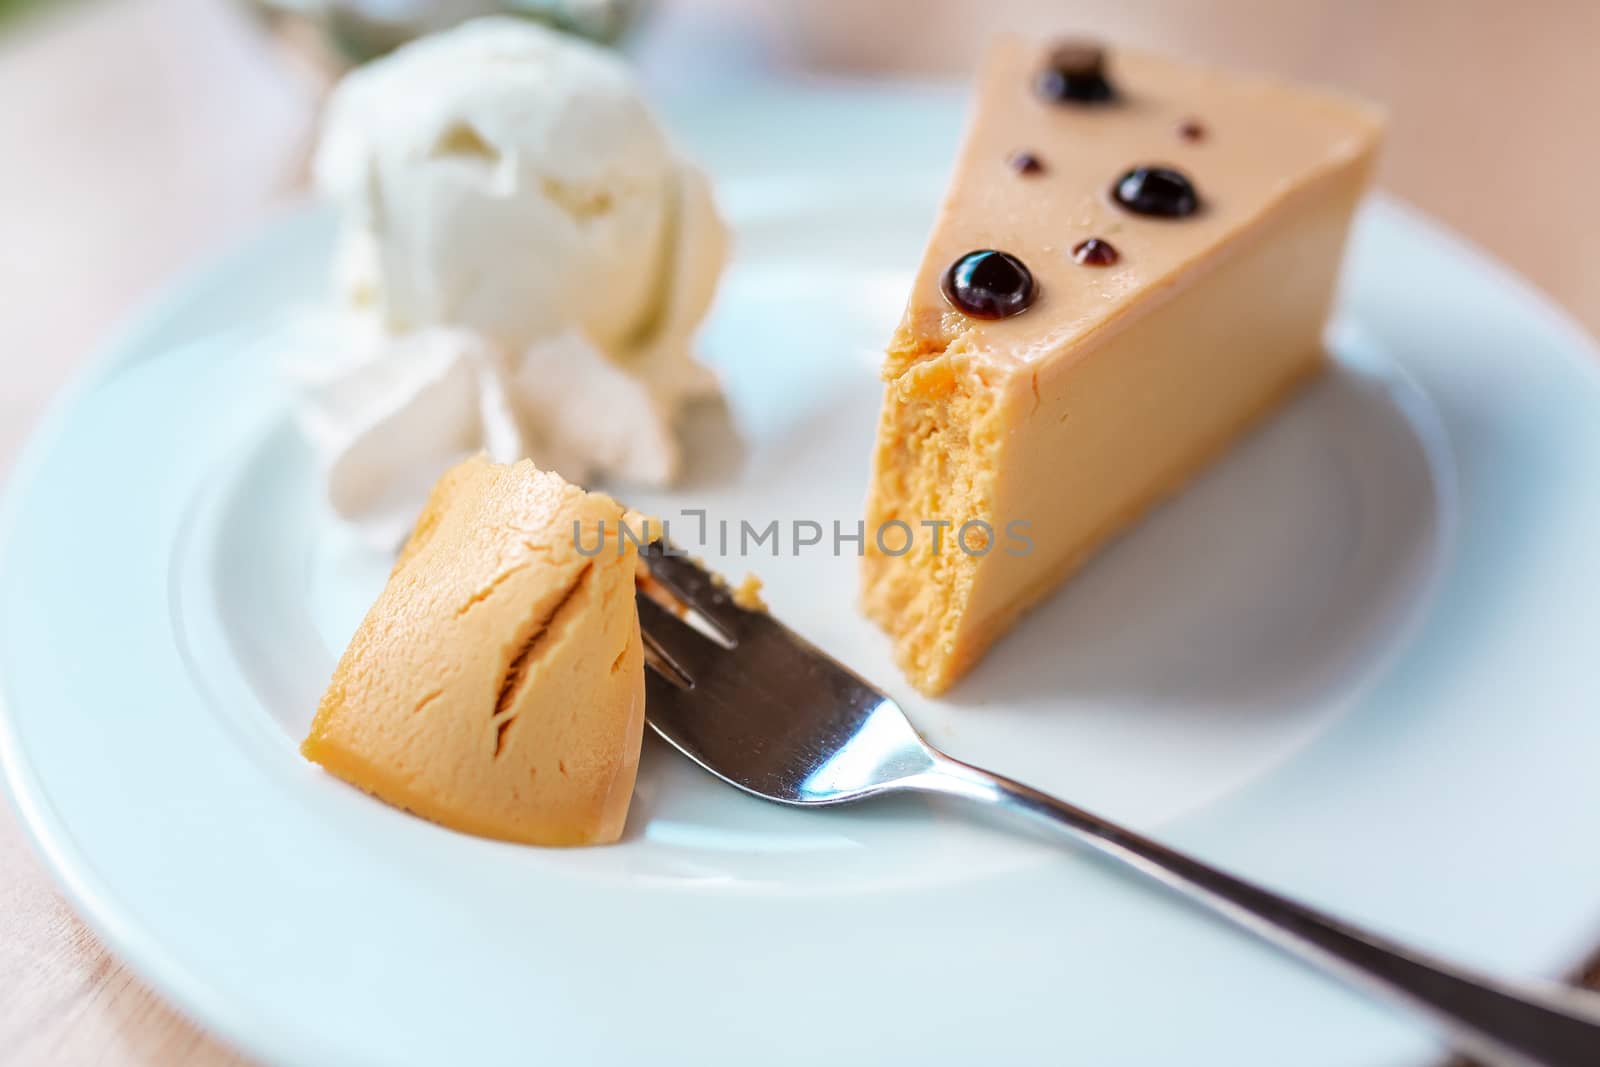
[{"x": 154, "y": 131}]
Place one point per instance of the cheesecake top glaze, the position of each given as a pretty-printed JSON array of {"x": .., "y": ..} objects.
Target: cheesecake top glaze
[{"x": 1265, "y": 143}]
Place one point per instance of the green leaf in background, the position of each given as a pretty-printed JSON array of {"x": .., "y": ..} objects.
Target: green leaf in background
[
  {"x": 364, "y": 29},
  {"x": 9, "y": 9}
]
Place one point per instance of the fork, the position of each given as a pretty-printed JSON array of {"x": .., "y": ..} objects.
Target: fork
[{"x": 761, "y": 708}]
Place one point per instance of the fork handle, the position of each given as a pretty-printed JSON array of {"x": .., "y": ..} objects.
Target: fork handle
[{"x": 1503, "y": 1024}]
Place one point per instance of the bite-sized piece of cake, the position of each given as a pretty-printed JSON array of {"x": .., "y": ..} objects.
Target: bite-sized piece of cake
[
  {"x": 1132, "y": 264},
  {"x": 497, "y": 685}
]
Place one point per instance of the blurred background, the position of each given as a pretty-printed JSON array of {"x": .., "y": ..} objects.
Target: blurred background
[{"x": 139, "y": 136}]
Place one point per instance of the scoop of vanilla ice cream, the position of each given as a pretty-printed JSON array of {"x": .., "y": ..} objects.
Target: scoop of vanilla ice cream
[
  {"x": 508, "y": 182},
  {"x": 493, "y": 175}
]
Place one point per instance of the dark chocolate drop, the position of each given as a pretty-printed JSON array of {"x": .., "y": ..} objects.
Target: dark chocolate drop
[
  {"x": 1076, "y": 74},
  {"x": 989, "y": 285},
  {"x": 1159, "y": 191},
  {"x": 1095, "y": 253},
  {"x": 1026, "y": 163}
]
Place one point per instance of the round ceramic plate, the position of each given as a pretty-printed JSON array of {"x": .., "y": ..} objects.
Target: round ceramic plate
[{"x": 1355, "y": 660}]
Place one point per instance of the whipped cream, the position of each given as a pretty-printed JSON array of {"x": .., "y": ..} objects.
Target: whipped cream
[{"x": 523, "y": 261}]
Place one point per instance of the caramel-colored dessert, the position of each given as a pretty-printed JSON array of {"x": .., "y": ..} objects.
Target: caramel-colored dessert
[
  {"x": 497, "y": 685},
  {"x": 1132, "y": 265}
]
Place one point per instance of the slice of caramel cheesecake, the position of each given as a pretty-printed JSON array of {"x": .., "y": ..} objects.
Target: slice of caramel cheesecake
[
  {"x": 1132, "y": 264},
  {"x": 497, "y": 685}
]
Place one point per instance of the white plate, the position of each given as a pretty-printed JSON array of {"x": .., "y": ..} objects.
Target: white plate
[{"x": 1356, "y": 661}]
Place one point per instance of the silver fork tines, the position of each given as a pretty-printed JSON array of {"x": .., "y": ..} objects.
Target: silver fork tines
[
  {"x": 708, "y": 595},
  {"x": 761, "y": 708}
]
